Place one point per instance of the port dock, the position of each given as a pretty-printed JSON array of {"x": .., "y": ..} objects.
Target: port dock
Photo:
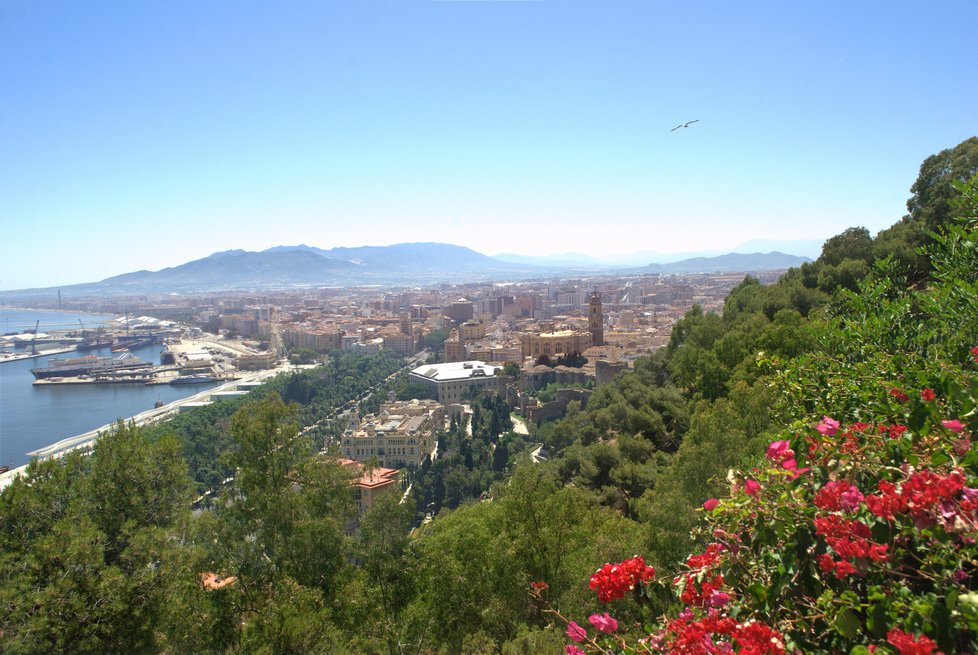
[{"x": 16, "y": 357}]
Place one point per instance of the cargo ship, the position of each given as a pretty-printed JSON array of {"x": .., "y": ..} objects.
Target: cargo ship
[{"x": 90, "y": 365}]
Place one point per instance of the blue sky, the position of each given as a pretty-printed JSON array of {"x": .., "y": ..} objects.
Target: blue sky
[{"x": 145, "y": 134}]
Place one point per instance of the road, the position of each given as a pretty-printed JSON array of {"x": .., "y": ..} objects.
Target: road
[{"x": 519, "y": 425}]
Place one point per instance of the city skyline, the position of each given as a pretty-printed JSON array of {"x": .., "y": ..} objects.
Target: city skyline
[{"x": 141, "y": 137}]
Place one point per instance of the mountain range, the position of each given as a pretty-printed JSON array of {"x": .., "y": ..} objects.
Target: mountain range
[{"x": 406, "y": 263}]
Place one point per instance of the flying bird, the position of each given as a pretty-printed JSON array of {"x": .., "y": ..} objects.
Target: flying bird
[{"x": 687, "y": 124}]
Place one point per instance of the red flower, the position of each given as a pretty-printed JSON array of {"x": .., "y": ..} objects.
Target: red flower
[
  {"x": 709, "y": 557},
  {"x": 974, "y": 352},
  {"x": 752, "y": 487},
  {"x": 837, "y": 495},
  {"x": 539, "y": 586},
  {"x": 907, "y": 644},
  {"x": 899, "y": 395},
  {"x": 711, "y": 504},
  {"x": 953, "y": 425},
  {"x": 927, "y": 395},
  {"x": 613, "y": 581}
]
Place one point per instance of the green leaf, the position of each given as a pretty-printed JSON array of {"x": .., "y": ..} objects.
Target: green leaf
[
  {"x": 877, "y": 621},
  {"x": 847, "y": 623},
  {"x": 859, "y": 650}
]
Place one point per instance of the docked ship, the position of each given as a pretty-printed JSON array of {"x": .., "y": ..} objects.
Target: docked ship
[
  {"x": 199, "y": 378},
  {"x": 91, "y": 365}
]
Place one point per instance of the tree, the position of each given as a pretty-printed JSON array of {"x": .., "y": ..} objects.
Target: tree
[
  {"x": 386, "y": 571},
  {"x": 854, "y": 243},
  {"x": 280, "y": 528},
  {"x": 934, "y": 189},
  {"x": 98, "y": 556},
  {"x": 930, "y": 207}
]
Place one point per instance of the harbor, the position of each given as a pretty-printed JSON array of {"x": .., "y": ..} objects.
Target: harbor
[
  {"x": 41, "y": 410},
  {"x": 86, "y": 439}
]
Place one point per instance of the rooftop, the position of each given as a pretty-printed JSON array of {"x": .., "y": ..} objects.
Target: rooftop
[{"x": 455, "y": 371}]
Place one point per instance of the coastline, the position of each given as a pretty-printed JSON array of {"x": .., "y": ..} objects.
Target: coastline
[{"x": 86, "y": 439}]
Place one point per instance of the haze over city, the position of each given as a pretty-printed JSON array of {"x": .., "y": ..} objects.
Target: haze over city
[{"x": 139, "y": 136}]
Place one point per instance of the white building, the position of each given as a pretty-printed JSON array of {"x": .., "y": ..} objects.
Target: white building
[{"x": 453, "y": 379}]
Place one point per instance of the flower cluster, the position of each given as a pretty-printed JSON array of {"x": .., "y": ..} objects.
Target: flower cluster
[
  {"x": 850, "y": 539},
  {"x": 907, "y": 644},
  {"x": 914, "y": 467},
  {"x": 928, "y": 497},
  {"x": 613, "y": 581},
  {"x": 719, "y": 635},
  {"x": 899, "y": 394},
  {"x": 780, "y": 453},
  {"x": 707, "y": 593},
  {"x": 837, "y": 496}
]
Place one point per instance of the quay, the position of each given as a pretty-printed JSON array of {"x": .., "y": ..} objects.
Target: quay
[{"x": 16, "y": 357}]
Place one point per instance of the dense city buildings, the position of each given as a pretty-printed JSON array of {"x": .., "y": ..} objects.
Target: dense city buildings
[{"x": 610, "y": 319}]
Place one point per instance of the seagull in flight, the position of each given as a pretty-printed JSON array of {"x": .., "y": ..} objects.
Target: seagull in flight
[{"x": 686, "y": 124}]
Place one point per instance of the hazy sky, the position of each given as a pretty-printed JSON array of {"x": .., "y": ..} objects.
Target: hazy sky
[{"x": 139, "y": 135}]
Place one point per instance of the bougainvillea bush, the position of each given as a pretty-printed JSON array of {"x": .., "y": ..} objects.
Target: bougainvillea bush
[
  {"x": 857, "y": 532},
  {"x": 852, "y": 537}
]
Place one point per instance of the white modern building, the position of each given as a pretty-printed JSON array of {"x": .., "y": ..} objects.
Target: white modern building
[{"x": 453, "y": 379}]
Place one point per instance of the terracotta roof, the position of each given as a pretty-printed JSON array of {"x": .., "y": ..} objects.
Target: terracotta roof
[
  {"x": 375, "y": 477},
  {"x": 213, "y": 582}
]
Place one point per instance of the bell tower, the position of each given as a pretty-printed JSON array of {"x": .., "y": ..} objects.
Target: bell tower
[{"x": 595, "y": 320}]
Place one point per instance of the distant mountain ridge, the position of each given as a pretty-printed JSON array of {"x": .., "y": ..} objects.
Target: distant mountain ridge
[
  {"x": 236, "y": 269},
  {"x": 731, "y": 263},
  {"x": 810, "y": 248},
  {"x": 405, "y": 256},
  {"x": 284, "y": 267}
]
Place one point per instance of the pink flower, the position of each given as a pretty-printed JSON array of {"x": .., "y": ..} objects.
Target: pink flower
[
  {"x": 718, "y": 599},
  {"x": 571, "y": 649},
  {"x": 576, "y": 632},
  {"x": 779, "y": 451},
  {"x": 711, "y": 504},
  {"x": 752, "y": 487},
  {"x": 927, "y": 395},
  {"x": 954, "y": 425},
  {"x": 828, "y": 426},
  {"x": 603, "y": 622}
]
